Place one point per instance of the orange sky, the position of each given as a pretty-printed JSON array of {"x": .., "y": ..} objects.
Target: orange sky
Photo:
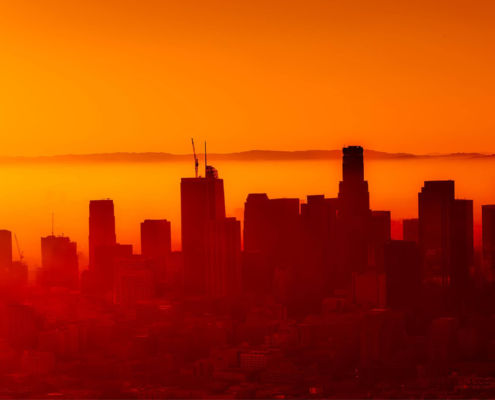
[{"x": 146, "y": 75}]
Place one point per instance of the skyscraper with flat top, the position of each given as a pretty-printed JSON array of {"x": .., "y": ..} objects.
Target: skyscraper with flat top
[
  {"x": 435, "y": 210},
  {"x": 202, "y": 203},
  {"x": 101, "y": 227},
  {"x": 353, "y": 215},
  {"x": 59, "y": 265}
]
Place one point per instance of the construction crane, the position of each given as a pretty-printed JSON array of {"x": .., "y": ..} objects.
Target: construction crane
[
  {"x": 21, "y": 255},
  {"x": 196, "y": 162}
]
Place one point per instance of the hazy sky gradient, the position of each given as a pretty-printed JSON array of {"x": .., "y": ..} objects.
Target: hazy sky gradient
[{"x": 145, "y": 75}]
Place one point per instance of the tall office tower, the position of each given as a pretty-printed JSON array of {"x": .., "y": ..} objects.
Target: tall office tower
[
  {"x": 462, "y": 250},
  {"x": 488, "y": 235},
  {"x": 380, "y": 234},
  {"x": 403, "y": 274},
  {"x": 5, "y": 250},
  {"x": 101, "y": 227},
  {"x": 354, "y": 215},
  {"x": 435, "y": 209},
  {"x": 319, "y": 250},
  {"x": 256, "y": 217},
  {"x": 272, "y": 242},
  {"x": 410, "y": 230},
  {"x": 223, "y": 267},
  {"x": 202, "y": 202},
  {"x": 257, "y": 271},
  {"x": 284, "y": 247},
  {"x": 59, "y": 265}
]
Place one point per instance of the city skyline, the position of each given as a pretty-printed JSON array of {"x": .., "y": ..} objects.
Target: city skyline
[{"x": 303, "y": 275}]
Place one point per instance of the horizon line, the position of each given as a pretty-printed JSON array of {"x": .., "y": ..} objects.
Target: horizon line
[{"x": 246, "y": 155}]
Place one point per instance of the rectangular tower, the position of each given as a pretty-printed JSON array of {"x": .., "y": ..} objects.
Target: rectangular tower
[
  {"x": 202, "y": 202},
  {"x": 101, "y": 227}
]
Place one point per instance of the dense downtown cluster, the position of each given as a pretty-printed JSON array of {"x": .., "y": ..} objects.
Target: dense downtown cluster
[{"x": 314, "y": 299}]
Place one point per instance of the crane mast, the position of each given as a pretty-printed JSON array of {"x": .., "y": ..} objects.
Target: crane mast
[
  {"x": 21, "y": 255},
  {"x": 196, "y": 162}
]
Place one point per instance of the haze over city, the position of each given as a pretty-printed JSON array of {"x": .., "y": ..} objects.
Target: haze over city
[{"x": 262, "y": 199}]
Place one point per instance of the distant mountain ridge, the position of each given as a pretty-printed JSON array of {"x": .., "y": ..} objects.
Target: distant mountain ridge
[{"x": 251, "y": 155}]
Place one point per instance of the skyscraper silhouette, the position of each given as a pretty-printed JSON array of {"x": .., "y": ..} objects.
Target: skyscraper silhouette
[
  {"x": 435, "y": 210},
  {"x": 101, "y": 227},
  {"x": 59, "y": 264},
  {"x": 403, "y": 274},
  {"x": 354, "y": 214},
  {"x": 202, "y": 203},
  {"x": 462, "y": 250},
  {"x": 223, "y": 265}
]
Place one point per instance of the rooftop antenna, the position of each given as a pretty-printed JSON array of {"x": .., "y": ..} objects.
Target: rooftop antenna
[
  {"x": 205, "y": 158},
  {"x": 196, "y": 162},
  {"x": 53, "y": 222}
]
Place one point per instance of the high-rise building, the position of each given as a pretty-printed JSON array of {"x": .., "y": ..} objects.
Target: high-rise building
[
  {"x": 403, "y": 274},
  {"x": 59, "y": 265},
  {"x": 5, "y": 250},
  {"x": 488, "y": 235},
  {"x": 101, "y": 227},
  {"x": 202, "y": 202},
  {"x": 319, "y": 233},
  {"x": 272, "y": 240},
  {"x": 461, "y": 251},
  {"x": 256, "y": 220},
  {"x": 410, "y": 230},
  {"x": 353, "y": 215},
  {"x": 435, "y": 210},
  {"x": 223, "y": 267},
  {"x": 380, "y": 234}
]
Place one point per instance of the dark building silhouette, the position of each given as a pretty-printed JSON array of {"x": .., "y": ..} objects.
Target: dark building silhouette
[
  {"x": 59, "y": 265},
  {"x": 410, "y": 230},
  {"x": 256, "y": 221},
  {"x": 223, "y": 266},
  {"x": 354, "y": 215},
  {"x": 435, "y": 209},
  {"x": 316, "y": 277},
  {"x": 5, "y": 249},
  {"x": 101, "y": 227},
  {"x": 380, "y": 233},
  {"x": 488, "y": 235},
  {"x": 272, "y": 233},
  {"x": 446, "y": 240},
  {"x": 462, "y": 250},
  {"x": 156, "y": 246},
  {"x": 403, "y": 274},
  {"x": 202, "y": 203}
]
